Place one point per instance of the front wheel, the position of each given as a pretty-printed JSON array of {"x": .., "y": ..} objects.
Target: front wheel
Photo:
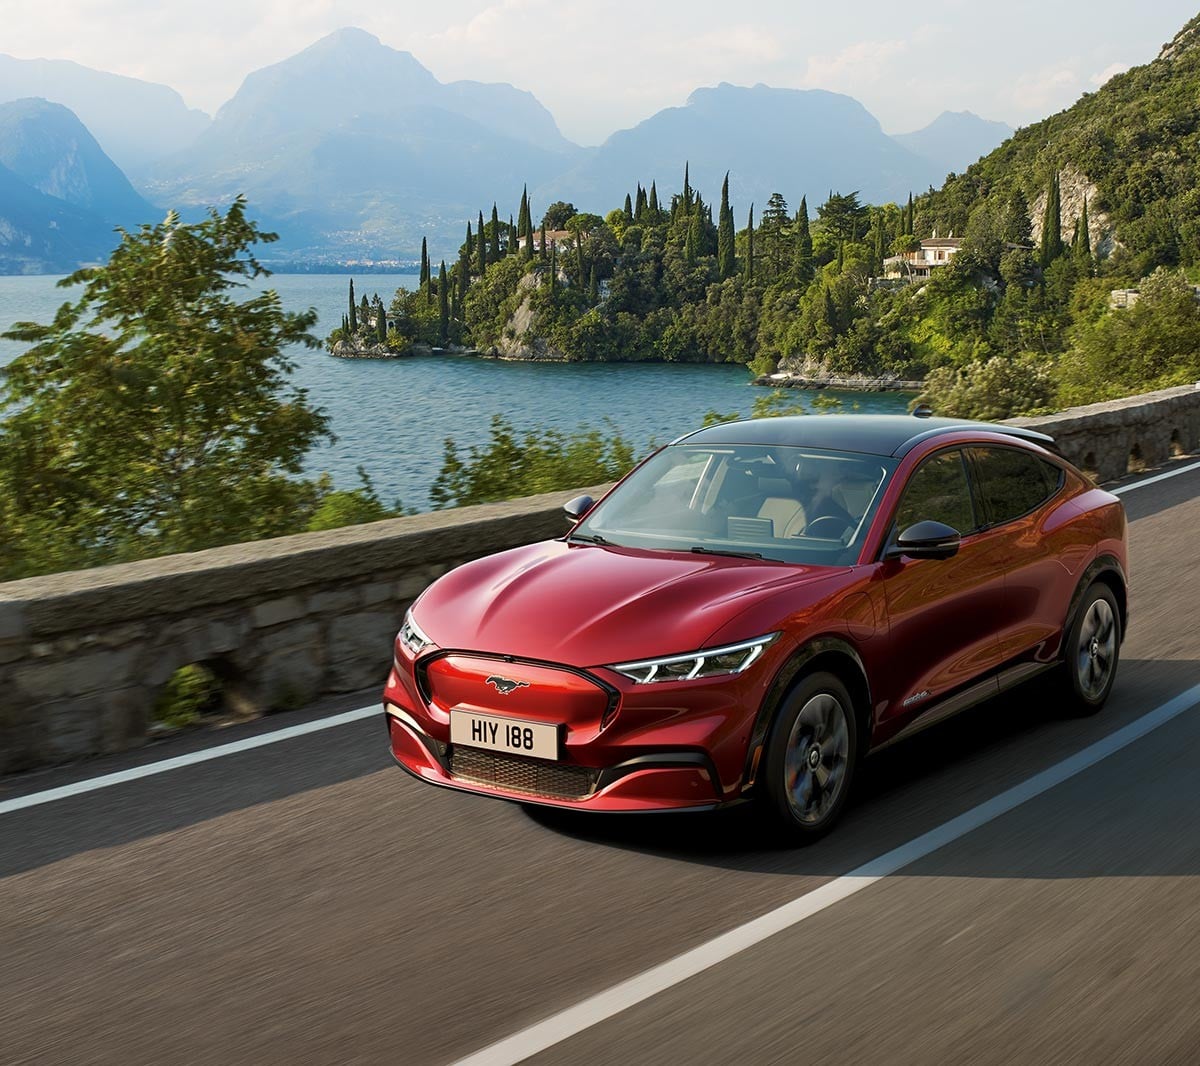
[
  {"x": 811, "y": 755},
  {"x": 1091, "y": 650}
]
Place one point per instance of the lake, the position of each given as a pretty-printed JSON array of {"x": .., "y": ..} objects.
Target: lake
[{"x": 391, "y": 416}]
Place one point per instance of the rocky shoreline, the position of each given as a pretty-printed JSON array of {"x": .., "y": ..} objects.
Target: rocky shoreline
[{"x": 851, "y": 383}]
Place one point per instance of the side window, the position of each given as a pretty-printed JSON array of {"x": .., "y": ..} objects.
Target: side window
[
  {"x": 1012, "y": 483},
  {"x": 938, "y": 491}
]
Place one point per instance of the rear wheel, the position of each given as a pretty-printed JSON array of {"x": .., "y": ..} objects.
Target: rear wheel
[
  {"x": 1091, "y": 650},
  {"x": 811, "y": 755}
]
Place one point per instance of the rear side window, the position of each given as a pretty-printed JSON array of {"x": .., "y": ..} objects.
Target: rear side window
[
  {"x": 1012, "y": 483},
  {"x": 938, "y": 491}
]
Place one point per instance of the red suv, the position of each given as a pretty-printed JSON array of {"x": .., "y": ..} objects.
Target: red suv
[{"x": 755, "y": 608}]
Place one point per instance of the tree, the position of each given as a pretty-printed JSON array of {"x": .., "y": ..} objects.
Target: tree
[
  {"x": 557, "y": 215},
  {"x": 524, "y": 226},
  {"x": 494, "y": 249},
  {"x": 443, "y": 304},
  {"x": 804, "y": 244},
  {"x": 726, "y": 264},
  {"x": 380, "y": 319},
  {"x": 1052, "y": 246},
  {"x": 353, "y": 310},
  {"x": 843, "y": 217},
  {"x": 481, "y": 254},
  {"x": 750, "y": 245},
  {"x": 154, "y": 413},
  {"x": 774, "y": 219},
  {"x": 653, "y": 205},
  {"x": 628, "y": 208},
  {"x": 424, "y": 265}
]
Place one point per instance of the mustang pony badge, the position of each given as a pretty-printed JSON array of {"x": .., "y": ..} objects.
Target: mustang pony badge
[{"x": 505, "y": 685}]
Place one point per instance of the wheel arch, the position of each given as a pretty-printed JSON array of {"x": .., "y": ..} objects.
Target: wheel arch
[
  {"x": 1108, "y": 570},
  {"x": 829, "y": 652}
]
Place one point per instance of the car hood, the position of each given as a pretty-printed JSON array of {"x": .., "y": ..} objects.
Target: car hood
[{"x": 588, "y": 605}]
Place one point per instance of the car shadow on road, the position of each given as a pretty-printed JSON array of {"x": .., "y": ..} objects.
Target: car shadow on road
[{"x": 922, "y": 783}]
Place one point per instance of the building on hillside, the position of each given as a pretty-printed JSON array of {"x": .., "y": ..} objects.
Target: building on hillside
[
  {"x": 934, "y": 252},
  {"x": 556, "y": 237},
  {"x": 1119, "y": 298}
]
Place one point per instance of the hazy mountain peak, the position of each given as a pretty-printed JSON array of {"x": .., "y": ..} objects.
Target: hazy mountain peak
[
  {"x": 46, "y": 146},
  {"x": 955, "y": 139}
]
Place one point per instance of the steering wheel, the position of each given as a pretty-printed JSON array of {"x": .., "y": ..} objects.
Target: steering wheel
[{"x": 827, "y": 527}]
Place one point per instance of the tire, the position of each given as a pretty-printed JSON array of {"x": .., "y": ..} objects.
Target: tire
[
  {"x": 1091, "y": 652},
  {"x": 811, "y": 756}
]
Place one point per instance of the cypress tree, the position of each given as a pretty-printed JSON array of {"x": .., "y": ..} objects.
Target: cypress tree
[
  {"x": 639, "y": 208},
  {"x": 510, "y": 237},
  {"x": 380, "y": 321},
  {"x": 523, "y": 213},
  {"x": 628, "y": 209},
  {"x": 750, "y": 246},
  {"x": 829, "y": 310},
  {"x": 695, "y": 237},
  {"x": 908, "y": 217},
  {"x": 877, "y": 266},
  {"x": 353, "y": 310},
  {"x": 470, "y": 244},
  {"x": 804, "y": 245},
  {"x": 1052, "y": 245},
  {"x": 481, "y": 252},
  {"x": 1085, "y": 237},
  {"x": 424, "y": 262},
  {"x": 464, "y": 275},
  {"x": 652, "y": 205},
  {"x": 726, "y": 263},
  {"x": 494, "y": 250},
  {"x": 687, "y": 189},
  {"x": 543, "y": 252},
  {"x": 443, "y": 304}
]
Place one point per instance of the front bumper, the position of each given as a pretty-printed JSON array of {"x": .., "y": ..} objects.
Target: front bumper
[{"x": 665, "y": 781}]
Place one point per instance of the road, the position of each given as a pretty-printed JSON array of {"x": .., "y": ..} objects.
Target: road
[{"x": 305, "y": 901}]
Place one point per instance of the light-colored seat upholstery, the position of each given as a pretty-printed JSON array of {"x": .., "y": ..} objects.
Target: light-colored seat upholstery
[{"x": 786, "y": 515}]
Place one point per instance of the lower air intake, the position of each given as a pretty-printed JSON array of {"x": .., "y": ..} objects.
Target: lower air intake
[{"x": 533, "y": 777}]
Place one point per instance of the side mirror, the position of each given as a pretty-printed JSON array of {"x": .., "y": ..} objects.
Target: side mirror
[
  {"x": 575, "y": 509},
  {"x": 926, "y": 540}
]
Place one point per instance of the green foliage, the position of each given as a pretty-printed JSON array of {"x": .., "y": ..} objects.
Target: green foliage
[
  {"x": 532, "y": 462},
  {"x": 352, "y": 507},
  {"x": 154, "y": 414},
  {"x": 557, "y": 215},
  {"x": 1153, "y": 344},
  {"x": 990, "y": 389},
  {"x": 191, "y": 691}
]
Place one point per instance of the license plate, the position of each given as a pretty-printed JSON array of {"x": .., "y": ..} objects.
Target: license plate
[{"x": 538, "y": 740}]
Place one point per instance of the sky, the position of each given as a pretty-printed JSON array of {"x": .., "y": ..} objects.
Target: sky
[{"x": 604, "y": 65}]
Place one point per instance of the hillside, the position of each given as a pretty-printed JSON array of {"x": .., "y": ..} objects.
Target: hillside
[
  {"x": 135, "y": 122},
  {"x": 1135, "y": 145},
  {"x": 40, "y": 234},
  {"x": 48, "y": 148}
]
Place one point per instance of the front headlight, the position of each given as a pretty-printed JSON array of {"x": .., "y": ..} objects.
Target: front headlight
[
  {"x": 709, "y": 662},
  {"x": 411, "y": 636}
]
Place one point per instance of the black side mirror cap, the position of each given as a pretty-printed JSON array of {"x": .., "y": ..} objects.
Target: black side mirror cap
[
  {"x": 575, "y": 509},
  {"x": 926, "y": 540}
]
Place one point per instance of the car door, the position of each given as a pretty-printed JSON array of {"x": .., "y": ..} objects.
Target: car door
[
  {"x": 941, "y": 612},
  {"x": 1016, "y": 488}
]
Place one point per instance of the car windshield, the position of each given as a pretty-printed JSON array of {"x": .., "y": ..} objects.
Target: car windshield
[{"x": 798, "y": 505}]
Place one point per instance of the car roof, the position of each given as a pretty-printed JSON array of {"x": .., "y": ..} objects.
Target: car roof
[{"x": 893, "y": 435}]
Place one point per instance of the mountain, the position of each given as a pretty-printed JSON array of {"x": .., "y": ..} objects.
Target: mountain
[
  {"x": 48, "y": 148},
  {"x": 134, "y": 121},
  {"x": 1131, "y": 150},
  {"x": 954, "y": 140},
  {"x": 354, "y": 149},
  {"x": 794, "y": 141},
  {"x": 40, "y": 234}
]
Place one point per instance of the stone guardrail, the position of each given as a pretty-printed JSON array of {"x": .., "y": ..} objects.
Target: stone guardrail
[{"x": 84, "y": 655}]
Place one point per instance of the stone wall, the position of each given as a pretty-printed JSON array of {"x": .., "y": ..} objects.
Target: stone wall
[
  {"x": 1111, "y": 439},
  {"x": 84, "y": 655}
]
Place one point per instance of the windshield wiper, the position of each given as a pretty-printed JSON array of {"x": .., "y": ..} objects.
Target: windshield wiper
[
  {"x": 725, "y": 551},
  {"x": 591, "y": 538}
]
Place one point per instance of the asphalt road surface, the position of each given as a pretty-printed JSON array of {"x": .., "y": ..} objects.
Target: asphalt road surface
[{"x": 305, "y": 901}]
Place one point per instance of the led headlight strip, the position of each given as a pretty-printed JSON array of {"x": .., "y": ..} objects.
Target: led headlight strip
[
  {"x": 708, "y": 662},
  {"x": 411, "y": 636}
]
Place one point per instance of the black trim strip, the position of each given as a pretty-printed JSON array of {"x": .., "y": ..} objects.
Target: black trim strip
[{"x": 659, "y": 760}]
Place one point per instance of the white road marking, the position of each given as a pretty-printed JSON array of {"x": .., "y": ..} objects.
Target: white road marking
[
  {"x": 1122, "y": 489},
  {"x": 288, "y": 732},
  {"x": 190, "y": 759},
  {"x": 635, "y": 990}
]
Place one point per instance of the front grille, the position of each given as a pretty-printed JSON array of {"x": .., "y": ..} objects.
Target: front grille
[{"x": 515, "y": 774}]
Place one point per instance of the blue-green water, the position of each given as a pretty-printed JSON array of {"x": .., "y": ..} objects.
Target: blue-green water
[{"x": 391, "y": 416}]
